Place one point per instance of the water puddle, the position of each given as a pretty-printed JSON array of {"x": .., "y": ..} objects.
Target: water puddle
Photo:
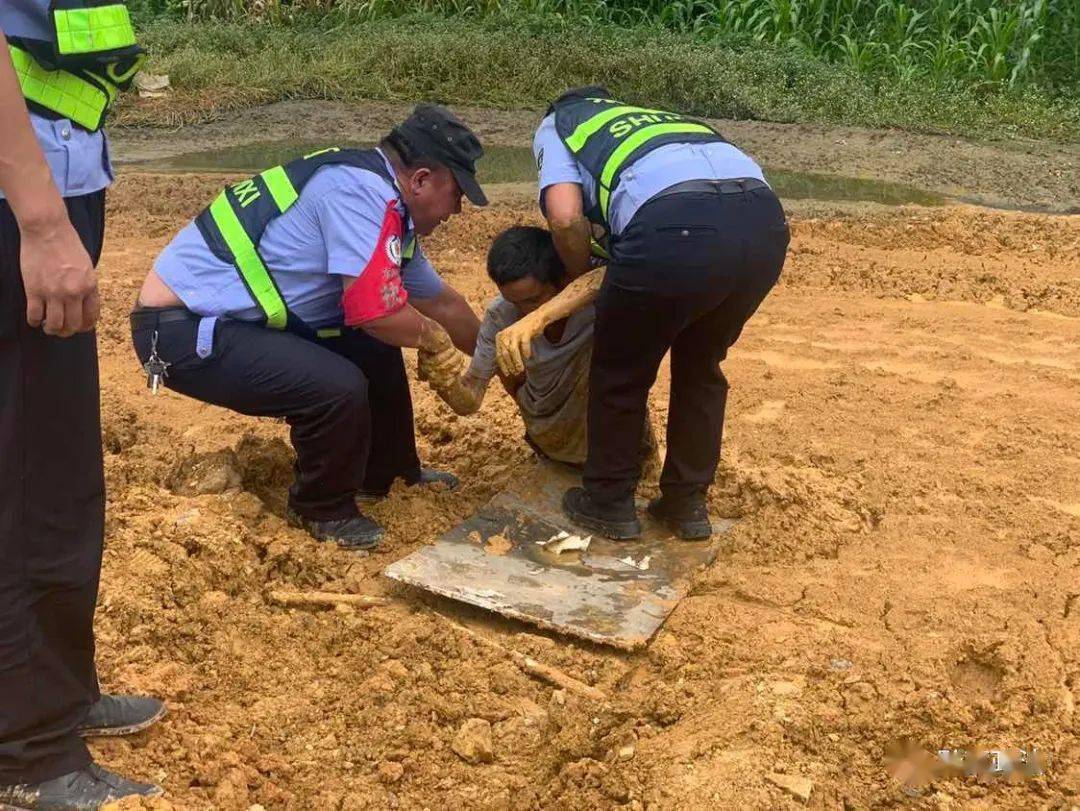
[
  {"x": 499, "y": 164},
  {"x": 811, "y": 186},
  {"x": 515, "y": 165}
]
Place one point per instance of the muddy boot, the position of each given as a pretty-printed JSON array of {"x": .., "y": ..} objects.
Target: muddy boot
[
  {"x": 427, "y": 476},
  {"x": 689, "y": 520},
  {"x": 355, "y": 533},
  {"x": 616, "y": 521},
  {"x": 85, "y": 790},
  {"x": 121, "y": 715}
]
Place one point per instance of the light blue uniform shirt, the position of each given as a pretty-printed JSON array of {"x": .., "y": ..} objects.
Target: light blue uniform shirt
[
  {"x": 79, "y": 160},
  {"x": 644, "y": 178},
  {"x": 330, "y": 232}
]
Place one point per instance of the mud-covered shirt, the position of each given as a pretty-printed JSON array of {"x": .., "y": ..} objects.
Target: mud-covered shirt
[
  {"x": 553, "y": 370},
  {"x": 341, "y": 227}
]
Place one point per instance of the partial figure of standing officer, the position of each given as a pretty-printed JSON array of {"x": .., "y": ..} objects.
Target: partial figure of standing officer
[
  {"x": 694, "y": 239},
  {"x": 70, "y": 58}
]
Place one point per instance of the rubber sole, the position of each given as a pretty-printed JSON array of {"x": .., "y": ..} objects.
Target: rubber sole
[
  {"x": 615, "y": 530},
  {"x": 685, "y": 530},
  {"x": 115, "y": 732},
  {"x": 322, "y": 537}
]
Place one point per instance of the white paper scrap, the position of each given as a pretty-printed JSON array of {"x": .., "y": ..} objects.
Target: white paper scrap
[
  {"x": 559, "y": 537},
  {"x": 570, "y": 543},
  {"x": 641, "y": 565}
]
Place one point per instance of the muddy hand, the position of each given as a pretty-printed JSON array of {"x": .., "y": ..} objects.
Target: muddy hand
[
  {"x": 513, "y": 346},
  {"x": 439, "y": 368}
]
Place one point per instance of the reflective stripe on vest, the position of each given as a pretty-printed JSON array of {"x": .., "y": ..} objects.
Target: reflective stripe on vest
[
  {"x": 121, "y": 73},
  {"x": 605, "y": 136},
  {"x": 246, "y": 255},
  {"x": 249, "y": 263},
  {"x": 587, "y": 129},
  {"x": 627, "y": 148},
  {"x": 233, "y": 226},
  {"x": 93, "y": 30},
  {"x": 76, "y": 98}
]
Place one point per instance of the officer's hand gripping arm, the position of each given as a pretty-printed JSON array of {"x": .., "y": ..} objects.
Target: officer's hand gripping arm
[
  {"x": 443, "y": 368},
  {"x": 513, "y": 345}
]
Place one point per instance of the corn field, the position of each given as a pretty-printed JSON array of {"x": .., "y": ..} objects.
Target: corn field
[{"x": 1005, "y": 43}]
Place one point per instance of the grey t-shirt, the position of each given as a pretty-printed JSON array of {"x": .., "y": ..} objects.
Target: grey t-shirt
[{"x": 553, "y": 371}]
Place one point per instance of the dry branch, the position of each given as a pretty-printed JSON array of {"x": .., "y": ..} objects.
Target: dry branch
[{"x": 305, "y": 599}]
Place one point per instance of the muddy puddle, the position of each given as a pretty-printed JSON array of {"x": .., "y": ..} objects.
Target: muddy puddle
[{"x": 515, "y": 165}]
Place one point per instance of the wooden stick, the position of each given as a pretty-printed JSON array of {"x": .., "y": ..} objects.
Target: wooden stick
[
  {"x": 534, "y": 668},
  {"x": 305, "y": 599},
  {"x": 554, "y": 676}
]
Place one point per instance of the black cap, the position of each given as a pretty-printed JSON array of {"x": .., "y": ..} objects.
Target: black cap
[{"x": 434, "y": 132}]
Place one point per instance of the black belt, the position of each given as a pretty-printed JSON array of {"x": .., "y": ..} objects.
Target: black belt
[
  {"x": 150, "y": 317},
  {"x": 731, "y": 185}
]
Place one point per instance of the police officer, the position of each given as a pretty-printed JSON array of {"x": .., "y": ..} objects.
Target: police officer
[
  {"x": 69, "y": 59},
  {"x": 694, "y": 239},
  {"x": 292, "y": 294}
]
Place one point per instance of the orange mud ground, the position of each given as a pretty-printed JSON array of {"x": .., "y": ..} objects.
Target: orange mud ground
[{"x": 902, "y": 454}]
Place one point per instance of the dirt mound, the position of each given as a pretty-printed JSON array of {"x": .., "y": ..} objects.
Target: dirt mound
[{"x": 903, "y": 463}]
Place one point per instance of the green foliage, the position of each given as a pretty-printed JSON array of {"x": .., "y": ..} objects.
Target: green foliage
[
  {"x": 525, "y": 63},
  {"x": 1007, "y": 44}
]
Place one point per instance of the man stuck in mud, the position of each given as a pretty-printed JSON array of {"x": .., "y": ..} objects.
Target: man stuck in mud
[
  {"x": 696, "y": 240},
  {"x": 291, "y": 296},
  {"x": 551, "y": 391}
]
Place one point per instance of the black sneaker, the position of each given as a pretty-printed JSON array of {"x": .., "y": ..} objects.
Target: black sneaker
[
  {"x": 85, "y": 790},
  {"x": 427, "y": 476},
  {"x": 355, "y": 533},
  {"x": 121, "y": 715},
  {"x": 689, "y": 520},
  {"x": 616, "y": 521}
]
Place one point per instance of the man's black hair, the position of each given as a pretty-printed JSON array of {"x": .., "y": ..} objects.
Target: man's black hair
[{"x": 524, "y": 250}]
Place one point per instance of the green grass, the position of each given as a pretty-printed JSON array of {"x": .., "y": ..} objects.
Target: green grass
[
  {"x": 1010, "y": 44},
  {"x": 525, "y": 63}
]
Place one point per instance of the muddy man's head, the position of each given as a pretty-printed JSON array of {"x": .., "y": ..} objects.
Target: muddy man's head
[{"x": 524, "y": 264}]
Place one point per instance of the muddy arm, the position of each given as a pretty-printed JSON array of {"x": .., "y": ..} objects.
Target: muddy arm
[
  {"x": 513, "y": 346},
  {"x": 443, "y": 368},
  {"x": 464, "y": 394}
]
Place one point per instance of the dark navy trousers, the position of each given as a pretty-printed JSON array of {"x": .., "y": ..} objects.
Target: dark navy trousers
[{"x": 686, "y": 274}]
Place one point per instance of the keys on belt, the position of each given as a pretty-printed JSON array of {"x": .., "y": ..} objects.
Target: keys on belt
[{"x": 156, "y": 369}]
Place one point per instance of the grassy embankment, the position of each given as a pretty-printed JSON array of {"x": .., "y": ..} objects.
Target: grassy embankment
[{"x": 957, "y": 66}]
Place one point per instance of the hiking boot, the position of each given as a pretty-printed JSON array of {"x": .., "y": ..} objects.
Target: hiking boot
[
  {"x": 427, "y": 476},
  {"x": 87, "y": 789},
  {"x": 689, "y": 520},
  {"x": 616, "y": 521},
  {"x": 121, "y": 715},
  {"x": 354, "y": 533}
]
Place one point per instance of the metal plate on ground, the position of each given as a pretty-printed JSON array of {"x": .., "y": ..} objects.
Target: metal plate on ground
[{"x": 616, "y": 593}]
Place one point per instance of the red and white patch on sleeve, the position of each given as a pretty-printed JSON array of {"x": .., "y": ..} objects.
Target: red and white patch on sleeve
[{"x": 378, "y": 292}]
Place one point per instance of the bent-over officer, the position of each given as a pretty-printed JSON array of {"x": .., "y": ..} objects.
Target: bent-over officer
[
  {"x": 65, "y": 61},
  {"x": 292, "y": 294},
  {"x": 695, "y": 239}
]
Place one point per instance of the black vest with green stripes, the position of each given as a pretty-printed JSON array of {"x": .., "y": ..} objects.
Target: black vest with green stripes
[
  {"x": 607, "y": 136},
  {"x": 233, "y": 225},
  {"x": 89, "y": 56}
]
